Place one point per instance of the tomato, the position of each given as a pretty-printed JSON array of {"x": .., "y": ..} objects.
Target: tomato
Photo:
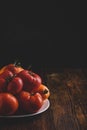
[
  {"x": 30, "y": 79},
  {"x": 43, "y": 90},
  {"x": 8, "y": 104},
  {"x": 30, "y": 103},
  {"x": 15, "y": 86},
  {"x": 3, "y": 84},
  {"x": 36, "y": 102},
  {"x": 11, "y": 67},
  {"x": 6, "y": 74},
  {"x": 23, "y": 98},
  {"x": 14, "y": 69}
]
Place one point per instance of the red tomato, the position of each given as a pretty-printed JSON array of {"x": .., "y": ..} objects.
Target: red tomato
[
  {"x": 15, "y": 86},
  {"x": 11, "y": 67},
  {"x": 36, "y": 102},
  {"x": 6, "y": 74},
  {"x": 14, "y": 68},
  {"x": 8, "y": 104},
  {"x": 23, "y": 98},
  {"x": 30, "y": 103},
  {"x": 30, "y": 79},
  {"x": 3, "y": 84}
]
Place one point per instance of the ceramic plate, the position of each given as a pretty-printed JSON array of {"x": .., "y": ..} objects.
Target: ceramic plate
[{"x": 44, "y": 107}]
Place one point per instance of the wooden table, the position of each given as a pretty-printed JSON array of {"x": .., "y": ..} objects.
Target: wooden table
[{"x": 68, "y": 103}]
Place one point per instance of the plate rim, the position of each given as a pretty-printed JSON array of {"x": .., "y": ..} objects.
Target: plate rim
[{"x": 41, "y": 110}]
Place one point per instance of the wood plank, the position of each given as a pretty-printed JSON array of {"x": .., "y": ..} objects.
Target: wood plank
[
  {"x": 78, "y": 94},
  {"x": 69, "y": 98}
]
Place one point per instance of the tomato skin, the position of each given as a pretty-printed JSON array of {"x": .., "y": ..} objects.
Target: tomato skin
[
  {"x": 23, "y": 98},
  {"x": 15, "y": 86},
  {"x": 36, "y": 102},
  {"x": 14, "y": 69},
  {"x": 8, "y": 104},
  {"x": 30, "y": 103},
  {"x": 6, "y": 74},
  {"x": 2, "y": 69},
  {"x": 11, "y": 67},
  {"x": 30, "y": 79},
  {"x": 43, "y": 90},
  {"x": 3, "y": 85}
]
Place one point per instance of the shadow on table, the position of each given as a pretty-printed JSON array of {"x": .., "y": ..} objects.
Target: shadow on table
[{"x": 20, "y": 120}]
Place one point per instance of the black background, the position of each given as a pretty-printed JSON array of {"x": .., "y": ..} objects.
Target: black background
[{"x": 42, "y": 38}]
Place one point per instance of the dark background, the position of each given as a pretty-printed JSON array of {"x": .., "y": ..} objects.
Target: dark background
[{"x": 42, "y": 38}]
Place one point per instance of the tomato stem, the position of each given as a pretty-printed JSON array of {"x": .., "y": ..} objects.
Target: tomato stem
[
  {"x": 45, "y": 91},
  {"x": 17, "y": 63},
  {"x": 32, "y": 94},
  {"x": 31, "y": 73},
  {"x": 29, "y": 67}
]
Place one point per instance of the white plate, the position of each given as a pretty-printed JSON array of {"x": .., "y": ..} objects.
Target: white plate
[{"x": 44, "y": 107}]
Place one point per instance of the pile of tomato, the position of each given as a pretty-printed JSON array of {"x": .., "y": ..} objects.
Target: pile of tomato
[{"x": 21, "y": 90}]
